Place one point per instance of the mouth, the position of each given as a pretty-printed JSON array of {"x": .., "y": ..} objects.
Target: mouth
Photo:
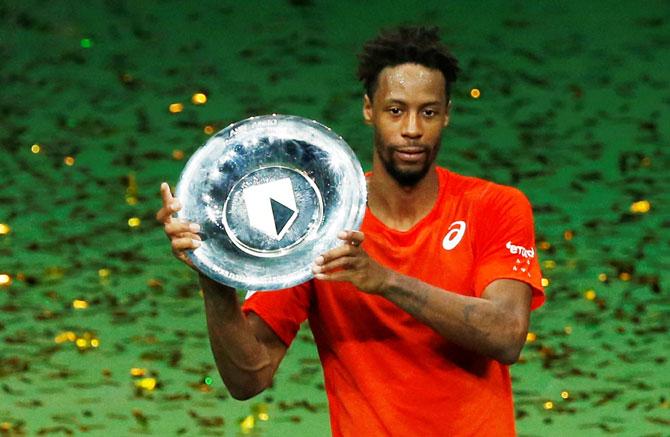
[{"x": 410, "y": 154}]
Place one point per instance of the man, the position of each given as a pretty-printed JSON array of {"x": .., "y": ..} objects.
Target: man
[{"x": 417, "y": 315}]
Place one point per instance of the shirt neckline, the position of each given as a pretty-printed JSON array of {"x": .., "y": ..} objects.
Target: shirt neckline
[{"x": 442, "y": 179}]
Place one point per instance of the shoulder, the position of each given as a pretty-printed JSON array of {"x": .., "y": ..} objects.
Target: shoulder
[{"x": 481, "y": 192}]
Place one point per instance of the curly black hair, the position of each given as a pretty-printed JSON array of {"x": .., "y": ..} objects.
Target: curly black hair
[{"x": 415, "y": 45}]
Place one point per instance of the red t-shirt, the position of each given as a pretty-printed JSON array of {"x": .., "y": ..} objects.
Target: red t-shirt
[{"x": 388, "y": 374}]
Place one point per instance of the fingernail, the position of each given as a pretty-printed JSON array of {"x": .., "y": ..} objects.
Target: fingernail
[
  {"x": 318, "y": 261},
  {"x": 194, "y": 227},
  {"x": 316, "y": 269},
  {"x": 196, "y": 243},
  {"x": 342, "y": 235}
]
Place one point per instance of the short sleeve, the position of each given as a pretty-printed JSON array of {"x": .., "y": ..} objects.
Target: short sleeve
[
  {"x": 505, "y": 241},
  {"x": 282, "y": 310}
]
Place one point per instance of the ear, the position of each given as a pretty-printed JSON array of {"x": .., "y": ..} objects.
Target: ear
[
  {"x": 447, "y": 114},
  {"x": 367, "y": 110}
]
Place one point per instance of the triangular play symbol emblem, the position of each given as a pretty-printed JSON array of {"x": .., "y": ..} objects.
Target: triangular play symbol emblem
[{"x": 281, "y": 214}]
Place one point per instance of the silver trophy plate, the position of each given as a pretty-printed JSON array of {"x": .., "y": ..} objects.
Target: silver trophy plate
[{"x": 270, "y": 194}]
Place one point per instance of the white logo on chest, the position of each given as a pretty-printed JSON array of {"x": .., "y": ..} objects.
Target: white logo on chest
[{"x": 455, "y": 234}]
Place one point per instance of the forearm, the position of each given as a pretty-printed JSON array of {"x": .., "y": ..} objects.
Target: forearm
[
  {"x": 242, "y": 360},
  {"x": 476, "y": 324}
]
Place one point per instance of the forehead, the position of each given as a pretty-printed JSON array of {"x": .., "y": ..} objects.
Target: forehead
[{"x": 410, "y": 82}]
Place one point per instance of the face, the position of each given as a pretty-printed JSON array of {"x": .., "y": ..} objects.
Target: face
[{"x": 408, "y": 111}]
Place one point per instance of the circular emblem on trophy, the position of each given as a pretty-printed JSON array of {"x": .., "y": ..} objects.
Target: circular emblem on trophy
[{"x": 271, "y": 210}]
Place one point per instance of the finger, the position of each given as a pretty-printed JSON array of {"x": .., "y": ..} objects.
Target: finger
[
  {"x": 165, "y": 215},
  {"x": 188, "y": 235},
  {"x": 355, "y": 238},
  {"x": 177, "y": 227},
  {"x": 181, "y": 244},
  {"x": 345, "y": 262},
  {"x": 339, "y": 251},
  {"x": 166, "y": 194},
  {"x": 342, "y": 275}
]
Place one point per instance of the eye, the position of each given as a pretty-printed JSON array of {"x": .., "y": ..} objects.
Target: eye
[
  {"x": 429, "y": 113},
  {"x": 395, "y": 110}
]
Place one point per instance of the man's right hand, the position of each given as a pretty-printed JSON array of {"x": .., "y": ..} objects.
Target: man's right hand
[{"x": 183, "y": 234}]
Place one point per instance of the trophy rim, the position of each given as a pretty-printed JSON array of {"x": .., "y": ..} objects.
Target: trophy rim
[{"x": 303, "y": 271}]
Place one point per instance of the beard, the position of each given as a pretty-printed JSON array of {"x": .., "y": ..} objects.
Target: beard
[{"x": 405, "y": 177}]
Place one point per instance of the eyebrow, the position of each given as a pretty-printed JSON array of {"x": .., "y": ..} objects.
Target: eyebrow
[{"x": 399, "y": 101}]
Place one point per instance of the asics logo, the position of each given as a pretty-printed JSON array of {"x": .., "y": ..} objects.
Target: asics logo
[
  {"x": 526, "y": 253},
  {"x": 455, "y": 234}
]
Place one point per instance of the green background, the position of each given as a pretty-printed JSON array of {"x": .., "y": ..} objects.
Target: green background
[{"x": 574, "y": 110}]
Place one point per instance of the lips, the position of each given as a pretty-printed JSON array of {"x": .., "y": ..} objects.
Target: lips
[{"x": 410, "y": 154}]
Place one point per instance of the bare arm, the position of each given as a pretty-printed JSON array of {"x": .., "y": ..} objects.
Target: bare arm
[
  {"x": 247, "y": 352},
  {"x": 494, "y": 325}
]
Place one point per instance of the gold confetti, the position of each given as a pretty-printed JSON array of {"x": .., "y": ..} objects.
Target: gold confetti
[
  {"x": 590, "y": 294},
  {"x": 65, "y": 336},
  {"x": 565, "y": 394},
  {"x": 568, "y": 235},
  {"x": 247, "y": 424},
  {"x": 548, "y": 405},
  {"x": 199, "y": 99},
  {"x": 261, "y": 411},
  {"x": 79, "y": 304},
  {"x": 138, "y": 371},
  {"x": 625, "y": 276},
  {"x": 640, "y": 207},
  {"x": 131, "y": 189},
  {"x": 602, "y": 277},
  {"x": 531, "y": 337},
  {"x": 154, "y": 283},
  {"x": 69, "y": 161},
  {"x": 148, "y": 384},
  {"x": 104, "y": 273},
  {"x": 475, "y": 93},
  {"x": 83, "y": 342},
  {"x": 4, "y": 229},
  {"x": 36, "y": 148},
  {"x": 177, "y": 155},
  {"x": 5, "y": 280},
  {"x": 209, "y": 129},
  {"x": 545, "y": 282},
  {"x": 567, "y": 330},
  {"x": 176, "y": 108},
  {"x": 545, "y": 245},
  {"x": 549, "y": 264},
  {"x": 134, "y": 222}
]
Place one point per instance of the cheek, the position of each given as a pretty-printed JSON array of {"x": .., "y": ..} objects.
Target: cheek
[{"x": 435, "y": 132}]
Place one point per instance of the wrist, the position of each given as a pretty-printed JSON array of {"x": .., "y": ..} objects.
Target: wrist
[
  {"x": 390, "y": 281},
  {"x": 210, "y": 285}
]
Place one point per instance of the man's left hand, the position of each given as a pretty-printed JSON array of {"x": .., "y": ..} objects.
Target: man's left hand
[{"x": 350, "y": 263}]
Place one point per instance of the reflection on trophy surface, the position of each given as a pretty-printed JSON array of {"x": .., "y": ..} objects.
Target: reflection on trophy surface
[{"x": 270, "y": 194}]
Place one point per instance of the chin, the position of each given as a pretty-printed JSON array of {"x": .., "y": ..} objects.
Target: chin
[{"x": 408, "y": 178}]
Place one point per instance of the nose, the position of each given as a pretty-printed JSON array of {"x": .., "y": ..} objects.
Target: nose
[{"x": 411, "y": 127}]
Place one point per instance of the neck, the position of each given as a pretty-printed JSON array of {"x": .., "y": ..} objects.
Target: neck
[{"x": 400, "y": 207}]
